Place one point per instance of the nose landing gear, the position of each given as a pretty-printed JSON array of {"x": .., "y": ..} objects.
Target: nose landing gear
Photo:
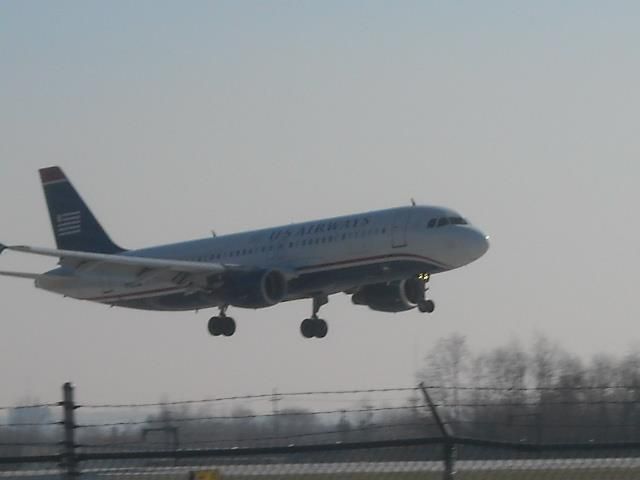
[
  {"x": 425, "y": 305},
  {"x": 315, "y": 327},
  {"x": 222, "y": 325}
]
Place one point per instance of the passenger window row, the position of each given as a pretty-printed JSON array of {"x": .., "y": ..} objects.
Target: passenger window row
[
  {"x": 298, "y": 243},
  {"x": 442, "y": 221}
]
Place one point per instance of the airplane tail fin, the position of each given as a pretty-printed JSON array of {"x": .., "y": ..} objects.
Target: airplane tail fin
[{"x": 74, "y": 226}]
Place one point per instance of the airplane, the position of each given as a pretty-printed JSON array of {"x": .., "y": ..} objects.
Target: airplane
[{"x": 383, "y": 259}]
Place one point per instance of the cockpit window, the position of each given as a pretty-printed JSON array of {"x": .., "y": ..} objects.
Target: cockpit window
[
  {"x": 444, "y": 221},
  {"x": 457, "y": 221}
]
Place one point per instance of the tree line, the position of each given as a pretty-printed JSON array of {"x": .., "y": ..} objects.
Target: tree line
[{"x": 540, "y": 393}]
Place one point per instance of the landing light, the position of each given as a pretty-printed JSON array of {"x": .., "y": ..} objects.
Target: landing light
[{"x": 424, "y": 276}]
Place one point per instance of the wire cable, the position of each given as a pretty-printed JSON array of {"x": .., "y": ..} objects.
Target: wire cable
[
  {"x": 248, "y": 416},
  {"x": 248, "y": 397}
]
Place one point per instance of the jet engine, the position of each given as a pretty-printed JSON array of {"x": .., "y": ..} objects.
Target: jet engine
[
  {"x": 391, "y": 297},
  {"x": 254, "y": 289}
]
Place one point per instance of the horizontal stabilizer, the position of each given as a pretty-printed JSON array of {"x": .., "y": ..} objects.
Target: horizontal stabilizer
[{"x": 30, "y": 276}]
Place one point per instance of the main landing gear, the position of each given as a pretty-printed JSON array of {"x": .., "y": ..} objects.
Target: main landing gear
[
  {"x": 315, "y": 327},
  {"x": 222, "y": 325}
]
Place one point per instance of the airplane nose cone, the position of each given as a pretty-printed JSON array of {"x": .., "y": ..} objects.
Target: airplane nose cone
[
  {"x": 484, "y": 243},
  {"x": 477, "y": 244}
]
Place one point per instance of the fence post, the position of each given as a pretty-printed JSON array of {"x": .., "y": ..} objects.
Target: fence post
[
  {"x": 69, "y": 462},
  {"x": 449, "y": 447}
]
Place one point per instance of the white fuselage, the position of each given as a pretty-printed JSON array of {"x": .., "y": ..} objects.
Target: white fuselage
[{"x": 320, "y": 257}]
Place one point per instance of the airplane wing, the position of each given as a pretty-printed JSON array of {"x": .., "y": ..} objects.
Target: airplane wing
[
  {"x": 3, "y": 273},
  {"x": 29, "y": 276},
  {"x": 182, "y": 266}
]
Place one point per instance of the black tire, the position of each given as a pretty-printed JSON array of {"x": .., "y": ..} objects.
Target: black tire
[
  {"x": 229, "y": 326},
  {"x": 214, "y": 326},
  {"x": 307, "y": 328},
  {"x": 321, "y": 328},
  {"x": 427, "y": 306}
]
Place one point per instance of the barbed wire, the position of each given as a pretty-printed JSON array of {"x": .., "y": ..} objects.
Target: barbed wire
[
  {"x": 539, "y": 403},
  {"x": 30, "y": 425},
  {"x": 29, "y": 444},
  {"x": 24, "y": 407},
  {"x": 178, "y": 420},
  {"x": 248, "y": 397},
  {"x": 265, "y": 396},
  {"x": 334, "y": 392},
  {"x": 324, "y": 393},
  {"x": 300, "y": 413},
  {"x": 267, "y": 438},
  {"x": 549, "y": 427},
  {"x": 341, "y": 411},
  {"x": 451, "y": 422},
  {"x": 420, "y": 407},
  {"x": 534, "y": 389}
]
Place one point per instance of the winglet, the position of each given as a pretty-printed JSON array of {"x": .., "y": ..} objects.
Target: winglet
[{"x": 2, "y": 247}]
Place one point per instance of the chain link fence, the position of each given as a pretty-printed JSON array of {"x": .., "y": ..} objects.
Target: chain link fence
[{"x": 403, "y": 459}]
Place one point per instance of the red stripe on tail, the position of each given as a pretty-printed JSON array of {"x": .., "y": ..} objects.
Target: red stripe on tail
[{"x": 51, "y": 174}]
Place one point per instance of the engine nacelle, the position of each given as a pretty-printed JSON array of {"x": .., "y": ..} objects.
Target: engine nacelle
[
  {"x": 257, "y": 289},
  {"x": 391, "y": 297}
]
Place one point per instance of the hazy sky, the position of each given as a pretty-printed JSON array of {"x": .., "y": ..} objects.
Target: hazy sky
[{"x": 175, "y": 118}]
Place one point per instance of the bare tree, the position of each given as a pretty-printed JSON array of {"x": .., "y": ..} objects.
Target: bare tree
[
  {"x": 544, "y": 357},
  {"x": 447, "y": 367}
]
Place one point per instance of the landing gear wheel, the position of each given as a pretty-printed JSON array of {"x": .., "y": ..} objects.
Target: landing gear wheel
[
  {"x": 214, "y": 326},
  {"x": 228, "y": 326},
  {"x": 221, "y": 324},
  {"x": 426, "y": 306},
  {"x": 307, "y": 328},
  {"x": 321, "y": 328},
  {"x": 314, "y": 328}
]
